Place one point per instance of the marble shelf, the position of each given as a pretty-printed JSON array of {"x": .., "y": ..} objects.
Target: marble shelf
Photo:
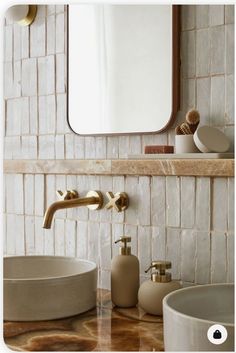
[{"x": 179, "y": 167}]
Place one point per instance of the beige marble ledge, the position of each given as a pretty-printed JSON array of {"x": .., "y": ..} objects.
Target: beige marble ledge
[
  {"x": 184, "y": 167},
  {"x": 67, "y": 166},
  {"x": 181, "y": 167}
]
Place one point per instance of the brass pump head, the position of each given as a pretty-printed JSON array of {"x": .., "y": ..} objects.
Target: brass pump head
[
  {"x": 162, "y": 275},
  {"x": 125, "y": 250}
]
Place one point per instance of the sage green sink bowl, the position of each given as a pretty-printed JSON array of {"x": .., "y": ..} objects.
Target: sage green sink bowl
[{"x": 47, "y": 287}]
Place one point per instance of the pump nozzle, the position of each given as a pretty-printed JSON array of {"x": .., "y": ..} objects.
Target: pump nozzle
[
  {"x": 161, "y": 266},
  {"x": 125, "y": 250},
  {"x": 124, "y": 239}
]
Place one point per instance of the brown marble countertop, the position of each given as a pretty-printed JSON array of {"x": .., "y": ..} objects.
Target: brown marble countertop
[
  {"x": 184, "y": 167},
  {"x": 104, "y": 328}
]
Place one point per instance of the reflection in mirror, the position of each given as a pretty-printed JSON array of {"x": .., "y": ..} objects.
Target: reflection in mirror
[{"x": 123, "y": 68}]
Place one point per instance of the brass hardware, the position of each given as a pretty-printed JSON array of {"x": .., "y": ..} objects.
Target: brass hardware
[
  {"x": 120, "y": 201},
  {"x": 126, "y": 250},
  {"x": 161, "y": 266},
  {"x": 67, "y": 195},
  {"x": 99, "y": 196},
  {"x": 124, "y": 240},
  {"x": 29, "y": 19},
  {"x": 69, "y": 200}
]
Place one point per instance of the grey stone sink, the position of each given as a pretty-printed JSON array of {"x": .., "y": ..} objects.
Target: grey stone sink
[
  {"x": 190, "y": 312},
  {"x": 47, "y": 287}
]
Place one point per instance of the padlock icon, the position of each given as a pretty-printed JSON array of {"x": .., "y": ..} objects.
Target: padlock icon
[{"x": 217, "y": 335}]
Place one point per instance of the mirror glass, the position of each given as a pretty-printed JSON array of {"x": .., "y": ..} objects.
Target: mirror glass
[{"x": 121, "y": 67}]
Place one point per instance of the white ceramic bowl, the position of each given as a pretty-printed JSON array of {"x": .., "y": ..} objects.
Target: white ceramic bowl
[
  {"x": 47, "y": 287},
  {"x": 210, "y": 139},
  {"x": 189, "y": 312}
]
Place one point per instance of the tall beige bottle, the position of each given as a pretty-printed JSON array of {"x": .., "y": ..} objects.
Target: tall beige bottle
[
  {"x": 152, "y": 292},
  {"x": 124, "y": 276}
]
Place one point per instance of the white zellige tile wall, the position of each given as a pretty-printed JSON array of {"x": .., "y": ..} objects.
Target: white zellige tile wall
[{"x": 187, "y": 220}]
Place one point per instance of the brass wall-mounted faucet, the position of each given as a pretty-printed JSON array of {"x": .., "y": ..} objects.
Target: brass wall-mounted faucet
[
  {"x": 70, "y": 199},
  {"x": 93, "y": 200}
]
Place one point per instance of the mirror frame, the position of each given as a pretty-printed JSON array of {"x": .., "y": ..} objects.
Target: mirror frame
[{"x": 176, "y": 62}]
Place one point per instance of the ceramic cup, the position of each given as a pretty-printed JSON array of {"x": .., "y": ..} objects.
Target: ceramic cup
[{"x": 185, "y": 144}]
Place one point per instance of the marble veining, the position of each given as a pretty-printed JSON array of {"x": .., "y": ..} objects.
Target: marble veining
[
  {"x": 178, "y": 167},
  {"x": 105, "y": 328}
]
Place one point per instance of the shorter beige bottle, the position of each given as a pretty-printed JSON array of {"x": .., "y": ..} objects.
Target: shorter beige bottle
[
  {"x": 124, "y": 276},
  {"x": 152, "y": 292}
]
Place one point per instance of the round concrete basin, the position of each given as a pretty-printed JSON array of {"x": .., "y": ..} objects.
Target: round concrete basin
[
  {"x": 47, "y": 287},
  {"x": 190, "y": 312}
]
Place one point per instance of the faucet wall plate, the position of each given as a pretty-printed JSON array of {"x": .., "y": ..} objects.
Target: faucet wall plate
[{"x": 97, "y": 194}]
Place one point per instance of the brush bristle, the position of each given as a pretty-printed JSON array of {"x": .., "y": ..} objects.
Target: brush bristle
[{"x": 192, "y": 117}]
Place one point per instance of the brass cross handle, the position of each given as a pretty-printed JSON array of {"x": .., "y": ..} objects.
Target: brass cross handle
[
  {"x": 67, "y": 195},
  {"x": 119, "y": 201}
]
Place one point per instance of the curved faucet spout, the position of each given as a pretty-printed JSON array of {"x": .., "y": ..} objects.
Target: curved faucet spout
[{"x": 95, "y": 201}]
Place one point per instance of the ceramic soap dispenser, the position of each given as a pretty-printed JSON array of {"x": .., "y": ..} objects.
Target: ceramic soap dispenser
[
  {"x": 152, "y": 292},
  {"x": 124, "y": 276}
]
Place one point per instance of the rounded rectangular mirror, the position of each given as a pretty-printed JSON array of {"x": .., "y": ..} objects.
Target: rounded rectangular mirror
[{"x": 123, "y": 68}]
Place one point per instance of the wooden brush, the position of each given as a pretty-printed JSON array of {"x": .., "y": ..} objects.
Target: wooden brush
[
  {"x": 178, "y": 130},
  {"x": 193, "y": 127},
  {"x": 190, "y": 125},
  {"x": 184, "y": 127}
]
